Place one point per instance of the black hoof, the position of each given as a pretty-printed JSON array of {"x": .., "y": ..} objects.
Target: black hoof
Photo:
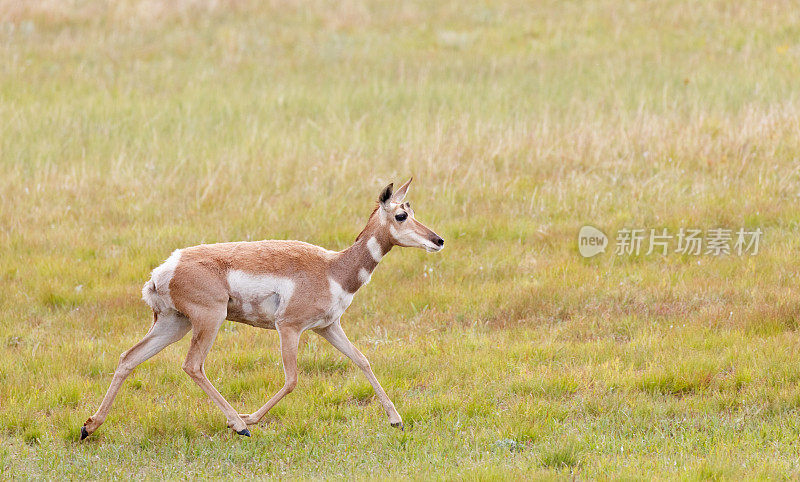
[
  {"x": 84, "y": 433},
  {"x": 399, "y": 425},
  {"x": 244, "y": 432}
]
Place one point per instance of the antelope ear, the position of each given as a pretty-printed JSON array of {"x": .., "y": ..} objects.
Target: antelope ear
[
  {"x": 386, "y": 195},
  {"x": 401, "y": 193}
]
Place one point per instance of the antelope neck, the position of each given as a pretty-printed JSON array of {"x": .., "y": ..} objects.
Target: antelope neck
[{"x": 353, "y": 267}]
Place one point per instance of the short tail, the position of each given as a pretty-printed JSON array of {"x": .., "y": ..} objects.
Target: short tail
[{"x": 152, "y": 298}]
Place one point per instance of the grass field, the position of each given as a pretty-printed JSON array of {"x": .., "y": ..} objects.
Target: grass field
[{"x": 131, "y": 128}]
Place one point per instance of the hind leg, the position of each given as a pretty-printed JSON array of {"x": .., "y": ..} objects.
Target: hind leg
[
  {"x": 205, "y": 325},
  {"x": 167, "y": 329},
  {"x": 290, "y": 338}
]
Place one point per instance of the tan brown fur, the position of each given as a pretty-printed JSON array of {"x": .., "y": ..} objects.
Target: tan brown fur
[
  {"x": 201, "y": 274},
  {"x": 307, "y": 286}
]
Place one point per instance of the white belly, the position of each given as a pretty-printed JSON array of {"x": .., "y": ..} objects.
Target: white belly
[{"x": 258, "y": 298}]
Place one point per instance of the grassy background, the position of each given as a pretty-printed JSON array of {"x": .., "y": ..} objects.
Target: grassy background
[{"x": 132, "y": 129}]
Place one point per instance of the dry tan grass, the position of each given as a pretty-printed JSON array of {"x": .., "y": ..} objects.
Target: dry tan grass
[{"x": 132, "y": 128}]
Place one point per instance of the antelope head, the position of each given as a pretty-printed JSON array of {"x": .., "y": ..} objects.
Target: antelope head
[{"x": 398, "y": 219}]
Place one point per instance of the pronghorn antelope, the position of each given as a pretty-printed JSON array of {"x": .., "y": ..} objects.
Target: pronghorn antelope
[{"x": 287, "y": 286}]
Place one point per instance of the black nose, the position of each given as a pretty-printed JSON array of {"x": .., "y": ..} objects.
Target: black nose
[{"x": 439, "y": 242}]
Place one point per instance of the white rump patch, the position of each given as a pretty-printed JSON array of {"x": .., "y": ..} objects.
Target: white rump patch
[
  {"x": 364, "y": 276},
  {"x": 375, "y": 249},
  {"x": 261, "y": 296},
  {"x": 340, "y": 298},
  {"x": 156, "y": 291}
]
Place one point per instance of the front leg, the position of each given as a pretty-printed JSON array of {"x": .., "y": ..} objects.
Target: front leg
[
  {"x": 290, "y": 338},
  {"x": 336, "y": 336}
]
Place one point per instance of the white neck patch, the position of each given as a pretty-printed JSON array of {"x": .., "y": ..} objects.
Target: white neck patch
[
  {"x": 364, "y": 276},
  {"x": 375, "y": 249},
  {"x": 340, "y": 299}
]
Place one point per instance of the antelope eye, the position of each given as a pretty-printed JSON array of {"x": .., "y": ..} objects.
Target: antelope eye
[{"x": 401, "y": 217}]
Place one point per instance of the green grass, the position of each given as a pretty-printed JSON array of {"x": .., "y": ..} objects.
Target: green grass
[{"x": 131, "y": 129}]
